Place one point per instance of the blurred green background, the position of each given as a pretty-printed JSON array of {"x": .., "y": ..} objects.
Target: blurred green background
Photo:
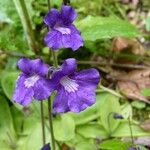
[{"x": 116, "y": 36}]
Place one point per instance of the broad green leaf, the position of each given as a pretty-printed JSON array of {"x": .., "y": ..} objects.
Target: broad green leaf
[
  {"x": 77, "y": 139},
  {"x": 146, "y": 92},
  {"x": 64, "y": 127},
  {"x": 92, "y": 112},
  {"x": 114, "y": 145},
  {"x": 18, "y": 118},
  {"x": 123, "y": 130},
  {"x": 7, "y": 131},
  {"x": 92, "y": 130},
  {"x": 94, "y": 28},
  {"x": 85, "y": 146},
  {"x": 126, "y": 110},
  {"x": 8, "y": 83},
  {"x": 34, "y": 140},
  {"x": 110, "y": 106}
]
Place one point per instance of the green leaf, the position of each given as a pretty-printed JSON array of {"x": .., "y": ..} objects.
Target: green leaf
[
  {"x": 34, "y": 140},
  {"x": 18, "y": 118},
  {"x": 7, "y": 132},
  {"x": 110, "y": 106},
  {"x": 114, "y": 145},
  {"x": 123, "y": 130},
  {"x": 92, "y": 112},
  {"x": 92, "y": 130},
  {"x": 85, "y": 146},
  {"x": 94, "y": 28},
  {"x": 64, "y": 127},
  {"x": 146, "y": 92},
  {"x": 8, "y": 83},
  {"x": 77, "y": 139},
  {"x": 126, "y": 110}
]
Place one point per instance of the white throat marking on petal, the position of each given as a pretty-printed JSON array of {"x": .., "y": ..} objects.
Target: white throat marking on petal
[
  {"x": 69, "y": 84},
  {"x": 29, "y": 82},
  {"x": 63, "y": 30}
]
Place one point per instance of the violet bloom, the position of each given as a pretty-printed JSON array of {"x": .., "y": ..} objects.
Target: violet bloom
[
  {"x": 63, "y": 33},
  {"x": 46, "y": 147},
  {"x": 75, "y": 90},
  {"x": 32, "y": 82}
]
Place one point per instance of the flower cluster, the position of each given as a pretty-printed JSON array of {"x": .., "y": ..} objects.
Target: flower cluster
[
  {"x": 75, "y": 91},
  {"x": 62, "y": 32}
]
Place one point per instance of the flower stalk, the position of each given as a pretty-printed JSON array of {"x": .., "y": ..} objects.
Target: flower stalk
[
  {"x": 50, "y": 117},
  {"x": 43, "y": 124},
  {"x": 26, "y": 22}
]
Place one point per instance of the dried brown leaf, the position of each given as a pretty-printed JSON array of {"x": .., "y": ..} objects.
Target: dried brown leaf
[
  {"x": 120, "y": 44},
  {"x": 132, "y": 83},
  {"x": 146, "y": 125}
]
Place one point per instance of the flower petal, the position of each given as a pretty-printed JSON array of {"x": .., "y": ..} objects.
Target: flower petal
[
  {"x": 24, "y": 65},
  {"x": 85, "y": 95},
  {"x": 53, "y": 39},
  {"x": 81, "y": 99},
  {"x": 39, "y": 67},
  {"x": 73, "y": 29},
  {"x": 42, "y": 89},
  {"x": 69, "y": 66},
  {"x": 87, "y": 76},
  {"x": 73, "y": 40},
  {"x": 33, "y": 66},
  {"x": 22, "y": 95},
  {"x": 68, "y": 14},
  {"x": 52, "y": 17},
  {"x": 60, "y": 104}
]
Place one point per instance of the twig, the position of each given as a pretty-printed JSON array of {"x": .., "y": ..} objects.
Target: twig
[
  {"x": 111, "y": 91},
  {"x": 13, "y": 54},
  {"x": 132, "y": 66}
]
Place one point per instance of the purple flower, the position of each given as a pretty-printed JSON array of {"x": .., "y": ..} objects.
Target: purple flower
[
  {"x": 46, "y": 147},
  {"x": 32, "y": 82},
  {"x": 75, "y": 90},
  {"x": 63, "y": 33}
]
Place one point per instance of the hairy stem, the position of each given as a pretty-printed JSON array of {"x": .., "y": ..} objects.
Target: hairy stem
[
  {"x": 26, "y": 22},
  {"x": 43, "y": 124},
  {"x": 50, "y": 117},
  {"x": 130, "y": 127},
  {"x": 55, "y": 63}
]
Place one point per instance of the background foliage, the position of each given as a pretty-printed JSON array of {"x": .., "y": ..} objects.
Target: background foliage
[{"x": 106, "y": 27}]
